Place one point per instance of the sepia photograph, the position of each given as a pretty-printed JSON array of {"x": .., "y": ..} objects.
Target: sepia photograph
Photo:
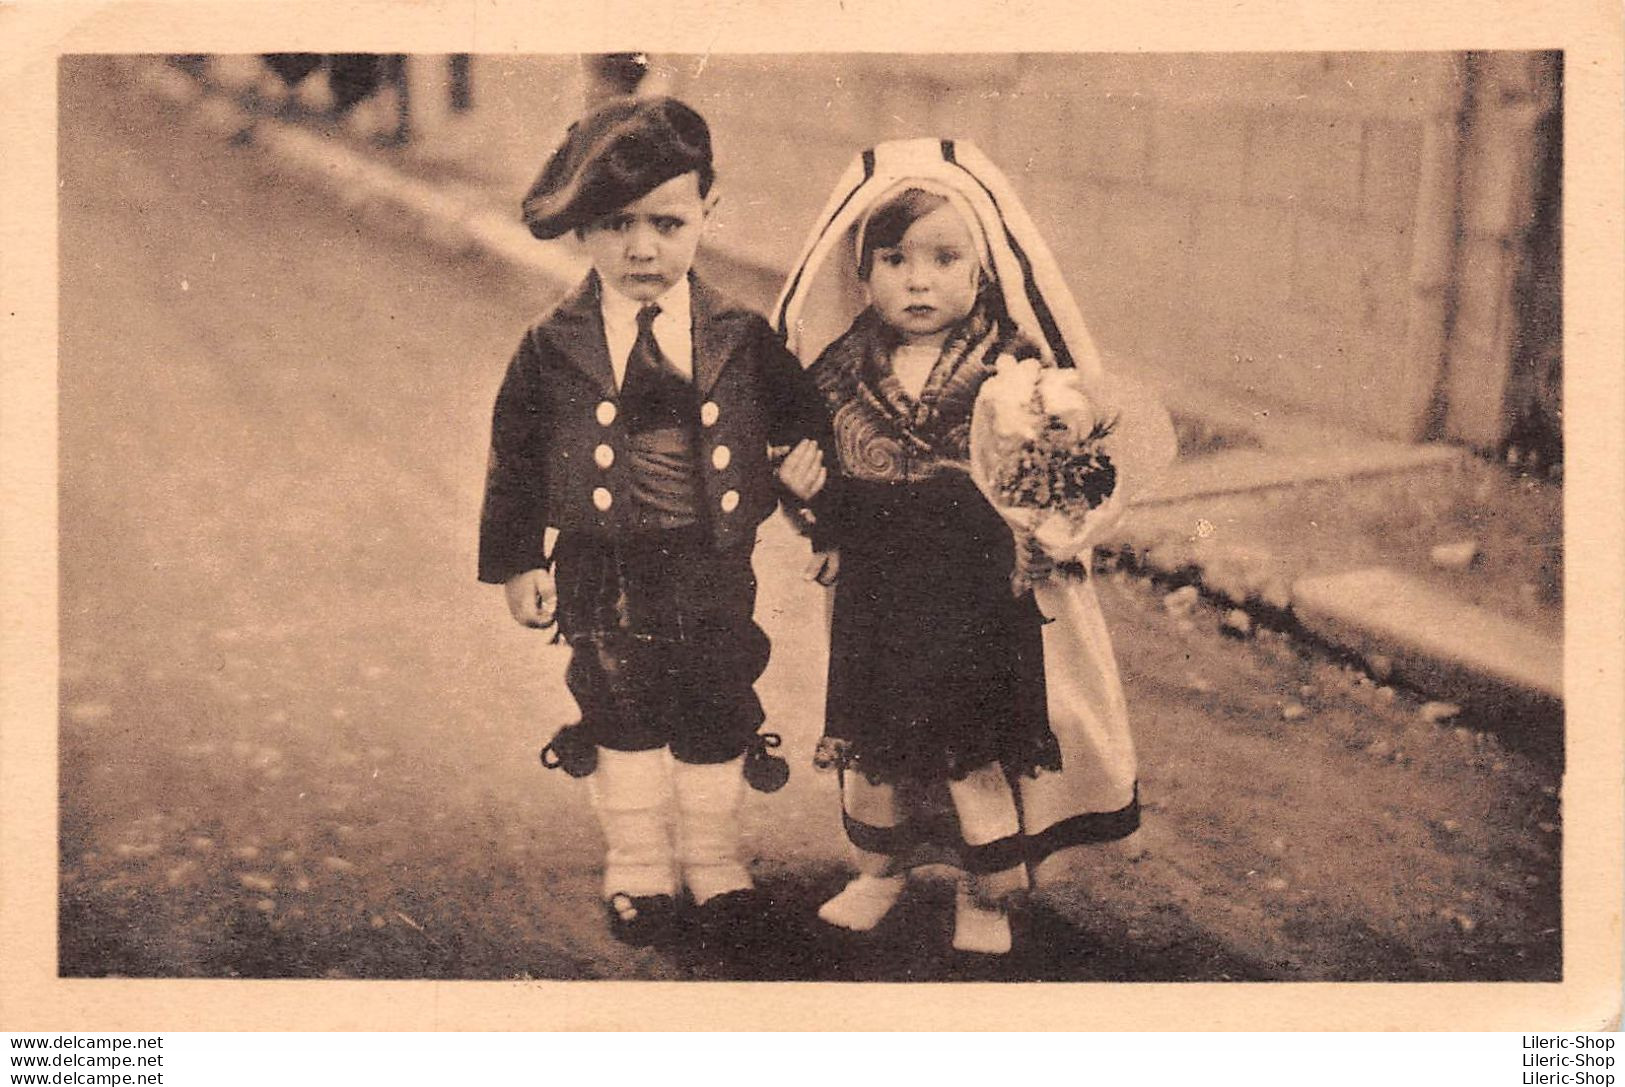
[{"x": 839, "y": 517}]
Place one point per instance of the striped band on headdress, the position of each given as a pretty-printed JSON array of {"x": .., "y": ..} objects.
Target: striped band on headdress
[{"x": 1035, "y": 295}]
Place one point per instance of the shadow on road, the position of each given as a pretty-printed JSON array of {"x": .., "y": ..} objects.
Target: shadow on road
[
  {"x": 791, "y": 944},
  {"x": 913, "y": 944}
]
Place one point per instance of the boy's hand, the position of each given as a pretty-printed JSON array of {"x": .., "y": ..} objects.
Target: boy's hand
[
  {"x": 531, "y": 598},
  {"x": 824, "y": 568},
  {"x": 803, "y": 472}
]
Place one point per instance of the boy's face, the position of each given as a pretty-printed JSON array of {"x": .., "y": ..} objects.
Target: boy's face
[
  {"x": 643, "y": 249},
  {"x": 927, "y": 282}
]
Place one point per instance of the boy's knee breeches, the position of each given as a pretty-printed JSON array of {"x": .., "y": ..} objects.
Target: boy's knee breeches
[{"x": 665, "y": 649}]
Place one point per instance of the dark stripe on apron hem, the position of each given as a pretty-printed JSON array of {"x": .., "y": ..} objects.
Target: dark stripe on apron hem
[
  {"x": 999, "y": 855},
  {"x": 1089, "y": 828}
]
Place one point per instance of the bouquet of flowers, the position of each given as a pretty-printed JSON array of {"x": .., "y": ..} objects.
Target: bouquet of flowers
[{"x": 1056, "y": 452}]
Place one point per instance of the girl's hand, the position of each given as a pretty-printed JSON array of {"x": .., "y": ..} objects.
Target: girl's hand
[
  {"x": 803, "y": 473},
  {"x": 824, "y": 568},
  {"x": 531, "y": 598}
]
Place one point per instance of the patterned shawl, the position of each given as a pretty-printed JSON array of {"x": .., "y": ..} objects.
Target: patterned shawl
[{"x": 882, "y": 434}]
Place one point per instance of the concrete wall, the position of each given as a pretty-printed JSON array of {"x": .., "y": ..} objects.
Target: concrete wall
[
  {"x": 1501, "y": 377},
  {"x": 1278, "y": 227},
  {"x": 1342, "y": 234}
]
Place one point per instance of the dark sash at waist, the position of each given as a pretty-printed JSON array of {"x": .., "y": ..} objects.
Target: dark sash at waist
[{"x": 665, "y": 478}]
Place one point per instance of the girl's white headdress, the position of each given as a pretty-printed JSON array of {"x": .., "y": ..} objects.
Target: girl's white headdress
[
  {"x": 956, "y": 200},
  {"x": 1035, "y": 296}
]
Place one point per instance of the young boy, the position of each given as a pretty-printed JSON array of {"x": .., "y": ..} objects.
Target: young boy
[{"x": 635, "y": 420}]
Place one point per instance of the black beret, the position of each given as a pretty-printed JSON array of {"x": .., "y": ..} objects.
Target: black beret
[{"x": 617, "y": 154}]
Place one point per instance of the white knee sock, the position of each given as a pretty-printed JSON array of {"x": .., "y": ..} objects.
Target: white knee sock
[
  {"x": 985, "y": 805},
  {"x": 987, "y": 812},
  {"x": 631, "y": 792},
  {"x": 976, "y": 927},
  {"x": 709, "y": 796}
]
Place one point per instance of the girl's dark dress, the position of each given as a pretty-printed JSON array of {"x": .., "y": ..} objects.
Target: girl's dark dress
[{"x": 936, "y": 668}]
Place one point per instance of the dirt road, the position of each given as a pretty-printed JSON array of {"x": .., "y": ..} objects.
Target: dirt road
[{"x": 298, "y": 739}]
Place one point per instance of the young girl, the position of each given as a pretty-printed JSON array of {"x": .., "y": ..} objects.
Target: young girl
[{"x": 951, "y": 741}]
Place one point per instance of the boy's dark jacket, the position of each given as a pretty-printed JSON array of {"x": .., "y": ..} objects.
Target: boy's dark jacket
[{"x": 546, "y": 431}]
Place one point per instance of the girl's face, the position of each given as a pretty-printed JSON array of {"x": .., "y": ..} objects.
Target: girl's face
[{"x": 927, "y": 282}]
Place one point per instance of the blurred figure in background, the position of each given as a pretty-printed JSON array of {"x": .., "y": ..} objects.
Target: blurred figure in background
[{"x": 611, "y": 75}]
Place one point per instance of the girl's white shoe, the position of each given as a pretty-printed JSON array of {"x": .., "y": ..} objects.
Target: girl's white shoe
[
  {"x": 863, "y": 903},
  {"x": 978, "y": 928}
]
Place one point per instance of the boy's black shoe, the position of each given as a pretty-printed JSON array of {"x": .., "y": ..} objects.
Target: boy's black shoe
[
  {"x": 749, "y": 936},
  {"x": 731, "y": 924},
  {"x": 642, "y": 920}
]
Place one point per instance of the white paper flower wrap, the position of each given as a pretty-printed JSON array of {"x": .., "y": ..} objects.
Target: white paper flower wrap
[{"x": 1011, "y": 410}]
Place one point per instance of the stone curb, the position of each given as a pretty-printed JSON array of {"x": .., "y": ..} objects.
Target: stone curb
[
  {"x": 1438, "y": 656},
  {"x": 1431, "y": 640},
  {"x": 1399, "y": 629}
]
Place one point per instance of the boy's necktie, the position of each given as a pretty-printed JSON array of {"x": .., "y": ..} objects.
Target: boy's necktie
[
  {"x": 660, "y": 417},
  {"x": 646, "y": 351}
]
